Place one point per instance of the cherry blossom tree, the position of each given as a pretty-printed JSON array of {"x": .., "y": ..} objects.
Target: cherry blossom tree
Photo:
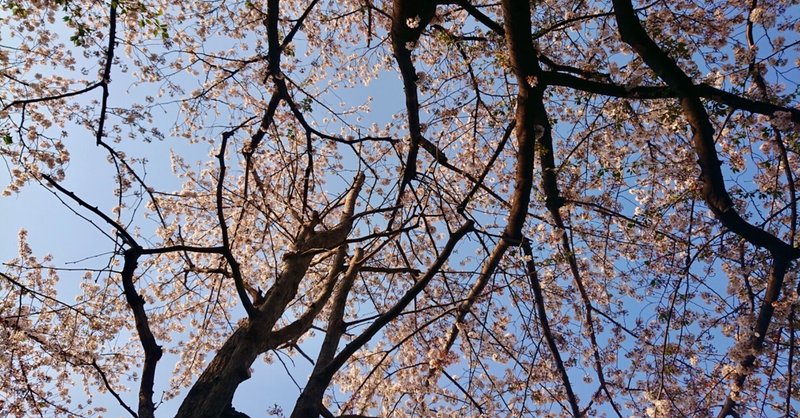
[{"x": 453, "y": 208}]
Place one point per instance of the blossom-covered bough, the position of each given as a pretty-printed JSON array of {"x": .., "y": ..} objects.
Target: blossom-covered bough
[{"x": 543, "y": 208}]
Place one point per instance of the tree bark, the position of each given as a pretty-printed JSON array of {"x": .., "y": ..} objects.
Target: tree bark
[{"x": 211, "y": 395}]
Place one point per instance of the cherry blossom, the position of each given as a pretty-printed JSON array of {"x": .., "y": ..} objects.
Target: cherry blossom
[{"x": 462, "y": 208}]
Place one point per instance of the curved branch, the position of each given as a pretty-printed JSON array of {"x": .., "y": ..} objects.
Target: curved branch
[
  {"x": 409, "y": 19},
  {"x": 401, "y": 304},
  {"x": 223, "y": 226},
  {"x": 714, "y": 191},
  {"x": 152, "y": 351},
  {"x": 536, "y": 131},
  {"x": 555, "y": 78},
  {"x": 112, "y": 35}
]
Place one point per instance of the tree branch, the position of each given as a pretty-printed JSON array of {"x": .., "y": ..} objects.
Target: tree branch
[
  {"x": 236, "y": 272},
  {"x": 152, "y": 351},
  {"x": 714, "y": 191}
]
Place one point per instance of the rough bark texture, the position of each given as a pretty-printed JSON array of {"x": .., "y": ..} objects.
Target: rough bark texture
[
  {"x": 211, "y": 395},
  {"x": 310, "y": 401}
]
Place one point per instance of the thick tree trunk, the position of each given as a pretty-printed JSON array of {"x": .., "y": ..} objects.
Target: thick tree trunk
[{"x": 211, "y": 395}]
